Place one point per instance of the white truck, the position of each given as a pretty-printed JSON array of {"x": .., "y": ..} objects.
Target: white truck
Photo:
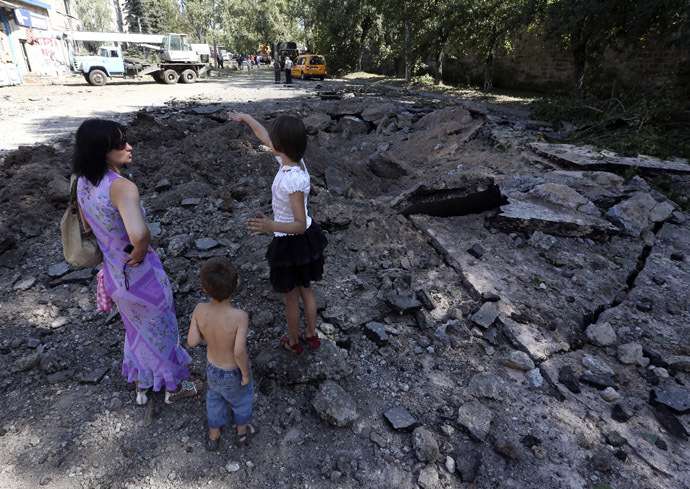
[{"x": 179, "y": 62}]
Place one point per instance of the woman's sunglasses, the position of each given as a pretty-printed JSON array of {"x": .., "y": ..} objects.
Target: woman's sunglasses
[{"x": 122, "y": 144}]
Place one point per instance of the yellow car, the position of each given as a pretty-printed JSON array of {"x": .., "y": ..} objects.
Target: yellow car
[{"x": 309, "y": 66}]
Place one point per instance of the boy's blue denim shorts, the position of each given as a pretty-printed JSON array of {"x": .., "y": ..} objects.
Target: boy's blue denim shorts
[{"x": 225, "y": 390}]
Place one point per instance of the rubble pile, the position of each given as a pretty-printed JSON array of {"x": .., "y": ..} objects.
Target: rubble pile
[{"x": 495, "y": 310}]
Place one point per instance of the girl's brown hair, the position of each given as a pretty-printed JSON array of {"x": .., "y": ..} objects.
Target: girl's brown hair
[{"x": 289, "y": 136}]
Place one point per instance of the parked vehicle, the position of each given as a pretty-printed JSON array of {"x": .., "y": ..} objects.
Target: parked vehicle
[
  {"x": 179, "y": 62},
  {"x": 203, "y": 51},
  {"x": 263, "y": 54},
  {"x": 281, "y": 50},
  {"x": 309, "y": 66}
]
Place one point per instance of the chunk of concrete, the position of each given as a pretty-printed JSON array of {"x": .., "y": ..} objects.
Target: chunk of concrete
[
  {"x": 519, "y": 360},
  {"x": 588, "y": 156},
  {"x": 559, "y": 194},
  {"x": 386, "y": 165},
  {"x": 316, "y": 122},
  {"x": 400, "y": 419},
  {"x": 528, "y": 213},
  {"x": 486, "y": 315},
  {"x": 631, "y": 353},
  {"x": 476, "y": 419},
  {"x": 601, "y": 334},
  {"x": 425, "y": 445},
  {"x": 334, "y": 405},
  {"x": 632, "y": 215},
  {"x": 379, "y": 111},
  {"x": 674, "y": 397},
  {"x": 352, "y": 124},
  {"x": 602, "y": 188},
  {"x": 485, "y": 384}
]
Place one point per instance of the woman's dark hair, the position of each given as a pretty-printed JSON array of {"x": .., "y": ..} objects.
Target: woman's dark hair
[
  {"x": 289, "y": 136},
  {"x": 95, "y": 138}
]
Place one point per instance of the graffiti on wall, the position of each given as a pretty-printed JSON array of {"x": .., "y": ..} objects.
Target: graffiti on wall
[{"x": 49, "y": 57}]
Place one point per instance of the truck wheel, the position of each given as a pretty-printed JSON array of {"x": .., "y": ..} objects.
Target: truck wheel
[
  {"x": 98, "y": 78},
  {"x": 158, "y": 76},
  {"x": 170, "y": 77},
  {"x": 188, "y": 76}
]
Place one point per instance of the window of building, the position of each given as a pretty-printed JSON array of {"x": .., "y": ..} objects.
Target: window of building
[{"x": 68, "y": 10}]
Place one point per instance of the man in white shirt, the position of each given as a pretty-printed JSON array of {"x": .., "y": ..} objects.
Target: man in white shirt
[{"x": 288, "y": 70}]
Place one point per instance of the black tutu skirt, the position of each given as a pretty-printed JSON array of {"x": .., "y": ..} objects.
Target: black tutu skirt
[{"x": 296, "y": 259}]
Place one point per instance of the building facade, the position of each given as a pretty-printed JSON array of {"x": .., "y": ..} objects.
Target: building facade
[{"x": 32, "y": 45}]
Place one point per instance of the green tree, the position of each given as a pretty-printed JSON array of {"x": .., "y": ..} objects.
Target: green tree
[
  {"x": 161, "y": 16},
  {"x": 200, "y": 15},
  {"x": 246, "y": 23},
  {"x": 585, "y": 28},
  {"x": 400, "y": 33},
  {"x": 96, "y": 15},
  {"x": 136, "y": 16},
  {"x": 488, "y": 29}
]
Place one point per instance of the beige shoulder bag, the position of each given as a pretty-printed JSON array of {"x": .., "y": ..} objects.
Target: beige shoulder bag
[{"x": 79, "y": 247}]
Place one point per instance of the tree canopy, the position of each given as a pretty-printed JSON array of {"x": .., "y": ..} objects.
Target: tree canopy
[{"x": 418, "y": 36}]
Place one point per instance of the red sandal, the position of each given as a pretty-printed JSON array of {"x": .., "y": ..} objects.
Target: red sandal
[
  {"x": 297, "y": 349},
  {"x": 312, "y": 341}
]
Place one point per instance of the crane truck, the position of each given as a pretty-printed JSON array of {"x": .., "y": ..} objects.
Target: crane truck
[{"x": 179, "y": 61}]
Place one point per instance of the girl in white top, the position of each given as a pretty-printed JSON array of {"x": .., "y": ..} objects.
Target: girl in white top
[{"x": 296, "y": 253}]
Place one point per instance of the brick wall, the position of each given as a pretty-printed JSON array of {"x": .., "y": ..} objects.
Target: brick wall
[{"x": 539, "y": 65}]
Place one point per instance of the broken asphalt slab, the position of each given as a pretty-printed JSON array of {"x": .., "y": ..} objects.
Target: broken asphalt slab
[
  {"x": 561, "y": 284},
  {"x": 587, "y": 156}
]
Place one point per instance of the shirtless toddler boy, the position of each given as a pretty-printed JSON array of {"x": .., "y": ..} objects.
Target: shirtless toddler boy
[{"x": 228, "y": 375}]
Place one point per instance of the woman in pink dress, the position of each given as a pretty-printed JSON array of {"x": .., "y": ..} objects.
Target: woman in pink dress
[{"x": 133, "y": 274}]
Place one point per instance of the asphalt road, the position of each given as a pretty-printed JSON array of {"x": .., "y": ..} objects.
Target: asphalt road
[{"x": 38, "y": 113}]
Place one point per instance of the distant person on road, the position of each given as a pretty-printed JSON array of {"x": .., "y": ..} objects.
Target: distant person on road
[
  {"x": 219, "y": 57},
  {"x": 295, "y": 254},
  {"x": 276, "y": 70},
  {"x": 239, "y": 61},
  {"x": 288, "y": 70},
  {"x": 133, "y": 274},
  {"x": 228, "y": 373},
  {"x": 249, "y": 64}
]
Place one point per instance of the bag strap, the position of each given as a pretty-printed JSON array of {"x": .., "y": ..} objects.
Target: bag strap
[{"x": 73, "y": 188}]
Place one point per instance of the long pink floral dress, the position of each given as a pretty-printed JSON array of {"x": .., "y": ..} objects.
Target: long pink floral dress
[{"x": 153, "y": 355}]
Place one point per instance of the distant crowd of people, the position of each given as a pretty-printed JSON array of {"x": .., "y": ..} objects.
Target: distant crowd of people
[
  {"x": 250, "y": 60},
  {"x": 254, "y": 62}
]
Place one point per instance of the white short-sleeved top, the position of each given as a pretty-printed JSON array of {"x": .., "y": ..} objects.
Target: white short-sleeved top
[{"x": 288, "y": 180}]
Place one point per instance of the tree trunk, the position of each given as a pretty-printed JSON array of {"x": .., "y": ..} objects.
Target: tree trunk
[
  {"x": 489, "y": 63},
  {"x": 408, "y": 74},
  {"x": 579, "y": 59},
  {"x": 489, "y": 72},
  {"x": 578, "y": 42},
  {"x": 365, "y": 26},
  {"x": 438, "y": 75}
]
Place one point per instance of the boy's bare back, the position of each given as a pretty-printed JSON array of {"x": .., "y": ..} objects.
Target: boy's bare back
[{"x": 225, "y": 330}]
